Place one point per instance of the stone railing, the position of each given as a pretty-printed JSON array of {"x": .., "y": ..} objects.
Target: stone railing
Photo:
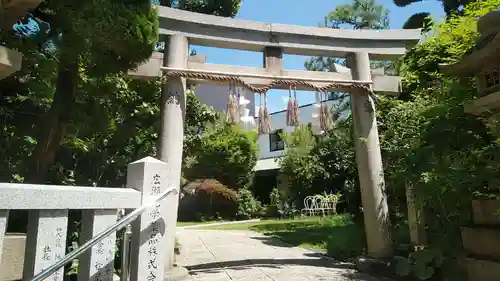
[{"x": 47, "y": 232}]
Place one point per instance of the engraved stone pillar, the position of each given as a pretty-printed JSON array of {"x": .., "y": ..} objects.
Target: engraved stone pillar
[
  {"x": 97, "y": 264},
  {"x": 416, "y": 218},
  {"x": 45, "y": 242},
  {"x": 173, "y": 110},
  {"x": 369, "y": 160},
  {"x": 147, "y": 258}
]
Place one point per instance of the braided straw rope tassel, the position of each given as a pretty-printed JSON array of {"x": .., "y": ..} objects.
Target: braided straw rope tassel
[
  {"x": 322, "y": 116},
  {"x": 267, "y": 117},
  {"x": 237, "y": 103},
  {"x": 236, "y": 106},
  {"x": 317, "y": 121},
  {"x": 230, "y": 117},
  {"x": 296, "y": 112},
  {"x": 289, "y": 109},
  {"x": 260, "y": 117},
  {"x": 325, "y": 114}
]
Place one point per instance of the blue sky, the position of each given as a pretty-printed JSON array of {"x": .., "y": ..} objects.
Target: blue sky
[{"x": 300, "y": 12}]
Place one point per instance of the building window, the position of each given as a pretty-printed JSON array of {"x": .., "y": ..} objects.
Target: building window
[
  {"x": 275, "y": 141},
  {"x": 492, "y": 78}
]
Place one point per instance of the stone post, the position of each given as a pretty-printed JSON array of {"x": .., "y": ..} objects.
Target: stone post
[
  {"x": 173, "y": 110},
  {"x": 416, "y": 219},
  {"x": 147, "y": 259},
  {"x": 97, "y": 264},
  {"x": 369, "y": 159},
  {"x": 4, "y": 216},
  {"x": 45, "y": 242},
  {"x": 273, "y": 60}
]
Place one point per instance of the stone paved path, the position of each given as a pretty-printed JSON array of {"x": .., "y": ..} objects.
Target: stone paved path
[{"x": 216, "y": 255}]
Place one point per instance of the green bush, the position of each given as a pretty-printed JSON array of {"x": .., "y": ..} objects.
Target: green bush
[
  {"x": 422, "y": 264},
  {"x": 227, "y": 154},
  {"x": 275, "y": 197},
  {"x": 248, "y": 206},
  {"x": 271, "y": 211}
]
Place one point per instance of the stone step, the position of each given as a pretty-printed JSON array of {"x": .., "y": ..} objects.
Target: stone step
[
  {"x": 481, "y": 270},
  {"x": 483, "y": 242},
  {"x": 485, "y": 212}
]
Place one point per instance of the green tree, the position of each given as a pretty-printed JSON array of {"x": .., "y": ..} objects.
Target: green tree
[
  {"x": 228, "y": 154},
  {"x": 87, "y": 45},
  {"x": 421, "y": 20},
  {"x": 85, "y": 38},
  {"x": 446, "y": 173},
  {"x": 359, "y": 14},
  {"x": 318, "y": 164},
  {"x": 199, "y": 117},
  {"x": 224, "y": 8}
]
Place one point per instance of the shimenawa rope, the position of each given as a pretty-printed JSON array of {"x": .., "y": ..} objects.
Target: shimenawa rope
[{"x": 291, "y": 83}]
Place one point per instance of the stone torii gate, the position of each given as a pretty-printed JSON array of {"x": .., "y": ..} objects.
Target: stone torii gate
[{"x": 182, "y": 28}]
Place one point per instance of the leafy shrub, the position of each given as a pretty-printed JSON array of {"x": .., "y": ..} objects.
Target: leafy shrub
[
  {"x": 444, "y": 172},
  {"x": 216, "y": 200},
  {"x": 271, "y": 211},
  {"x": 423, "y": 264},
  {"x": 209, "y": 200},
  {"x": 248, "y": 206},
  {"x": 275, "y": 197},
  {"x": 214, "y": 188},
  {"x": 317, "y": 164},
  {"x": 227, "y": 154}
]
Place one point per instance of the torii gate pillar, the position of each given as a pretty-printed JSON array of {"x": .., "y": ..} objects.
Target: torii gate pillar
[
  {"x": 369, "y": 159},
  {"x": 172, "y": 111}
]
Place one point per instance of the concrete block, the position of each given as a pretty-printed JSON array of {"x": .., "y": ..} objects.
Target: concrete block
[
  {"x": 482, "y": 270},
  {"x": 485, "y": 212},
  {"x": 482, "y": 242},
  {"x": 10, "y": 61}
]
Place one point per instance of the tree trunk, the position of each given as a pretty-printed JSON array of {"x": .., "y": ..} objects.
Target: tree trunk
[{"x": 53, "y": 125}]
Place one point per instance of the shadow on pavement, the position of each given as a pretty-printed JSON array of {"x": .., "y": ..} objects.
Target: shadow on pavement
[{"x": 246, "y": 264}]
